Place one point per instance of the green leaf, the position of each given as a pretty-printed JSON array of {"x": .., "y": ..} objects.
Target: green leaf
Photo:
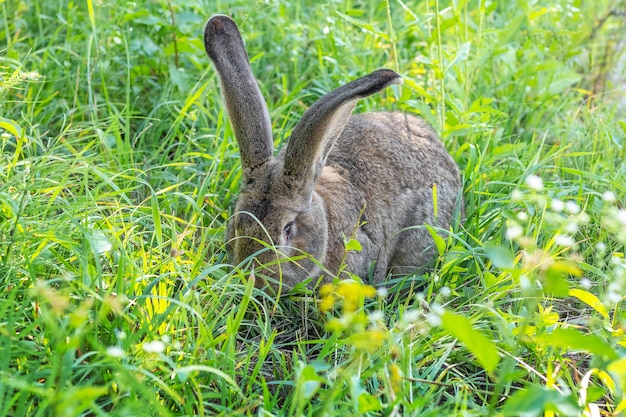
[
  {"x": 354, "y": 245},
  {"x": 179, "y": 78},
  {"x": 618, "y": 369},
  {"x": 535, "y": 400},
  {"x": 512, "y": 28},
  {"x": 439, "y": 242},
  {"x": 556, "y": 282},
  {"x": 482, "y": 348},
  {"x": 500, "y": 257},
  {"x": 461, "y": 55},
  {"x": 184, "y": 373},
  {"x": 591, "y": 300},
  {"x": 365, "y": 26},
  {"x": 555, "y": 285},
  {"x": 309, "y": 382},
  {"x": 574, "y": 340},
  {"x": 622, "y": 124},
  {"x": 243, "y": 305},
  {"x": 368, "y": 402},
  {"x": 156, "y": 218},
  {"x": 562, "y": 81},
  {"x": 11, "y": 127},
  {"x": 75, "y": 400}
]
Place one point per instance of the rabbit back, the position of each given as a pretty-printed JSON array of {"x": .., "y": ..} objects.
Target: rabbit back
[{"x": 386, "y": 164}]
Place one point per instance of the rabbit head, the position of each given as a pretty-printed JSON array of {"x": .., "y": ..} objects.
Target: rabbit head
[{"x": 278, "y": 213}]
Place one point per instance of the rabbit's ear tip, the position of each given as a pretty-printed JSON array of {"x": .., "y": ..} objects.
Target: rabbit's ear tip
[
  {"x": 220, "y": 18},
  {"x": 391, "y": 75},
  {"x": 220, "y": 23}
]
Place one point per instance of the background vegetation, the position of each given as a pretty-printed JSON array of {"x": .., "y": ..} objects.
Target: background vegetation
[{"x": 118, "y": 168}]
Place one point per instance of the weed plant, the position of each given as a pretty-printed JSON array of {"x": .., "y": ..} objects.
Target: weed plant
[{"x": 118, "y": 168}]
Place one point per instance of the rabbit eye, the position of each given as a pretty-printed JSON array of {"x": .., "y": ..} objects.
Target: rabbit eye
[{"x": 288, "y": 232}]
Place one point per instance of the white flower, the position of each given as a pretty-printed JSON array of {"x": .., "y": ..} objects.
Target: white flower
[
  {"x": 524, "y": 282},
  {"x": 513, "y": 231},
  {"x": 382, "y": 292},
  {"x": 609, "y": 196},
  {"x": 572, "y": 208},
  {"x": 434, "y": 319},
  {"x": 326, "y": 30},
  {"x": 621, "y": 216},
  {"x": 613, "y": 297},
  {"x": 517, "y": 196},
  {"x": 411, "y": 316},
  {"x": 438, "y": 309},
  {"x": 522, "y": 216},
  {"x": 601, "y": 247},
  {"x": 156, "y": 346},
  {"x": 445, "y": 292},
  {"x": 571, "y": 228},
  {"x": 585, "y": 283},
  {"x": 115, "y": 352},
  {"x": 376, "y": 316},
  {"x": 564, "y": 240},
  {"x": 534, "y": 182},
  {"x": 557, "y": 205}
]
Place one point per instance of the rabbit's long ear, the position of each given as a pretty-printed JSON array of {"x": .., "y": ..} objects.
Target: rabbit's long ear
[
  {"x": 244, "y": 103},
  {"x": 315, "y": 134}
]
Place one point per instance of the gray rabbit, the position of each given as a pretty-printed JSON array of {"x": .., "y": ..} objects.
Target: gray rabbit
[{"x": 368, "y": 176}]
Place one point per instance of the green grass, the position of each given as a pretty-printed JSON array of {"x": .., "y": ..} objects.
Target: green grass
[{"x": 119, "y": 166}]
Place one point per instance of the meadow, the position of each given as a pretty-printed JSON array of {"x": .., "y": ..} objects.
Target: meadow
[{"x": 119, "y": 168}]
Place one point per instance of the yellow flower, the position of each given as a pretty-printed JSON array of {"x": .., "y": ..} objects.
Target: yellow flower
[
  {"x": 368, "y": 341},
  {"x": 327, "y": 303},
  {"x": 369, "y": 291},
  {"x": 326, "y": 289},
  {"x": 350, "y": 293},
  {"x": 395, "y": 377}
]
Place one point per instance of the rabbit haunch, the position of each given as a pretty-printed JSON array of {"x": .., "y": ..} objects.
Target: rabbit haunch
[{"x": 373, "y": 173}]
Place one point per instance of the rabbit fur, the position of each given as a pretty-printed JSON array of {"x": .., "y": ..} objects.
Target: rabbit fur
[{"x": 368, "y": 176}]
